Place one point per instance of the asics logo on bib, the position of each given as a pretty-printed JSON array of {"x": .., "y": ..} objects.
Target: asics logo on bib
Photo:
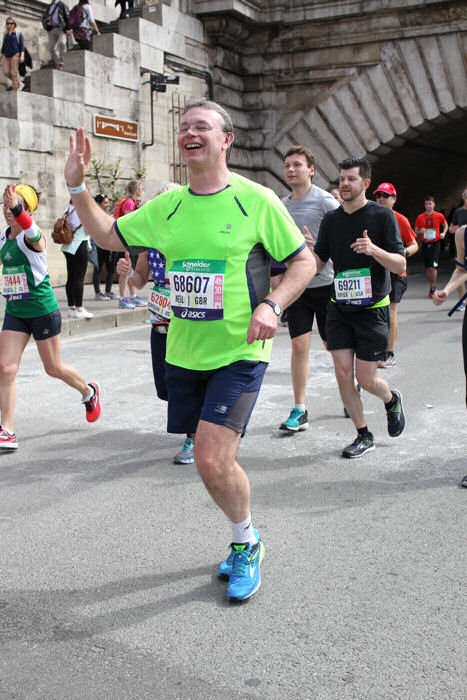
[{"x": 187, "y": 313}]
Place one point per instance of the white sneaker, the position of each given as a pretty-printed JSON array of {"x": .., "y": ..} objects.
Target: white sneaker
[
  {"x": 72, "y": 313},
  {"x": 83, "y": 313}
]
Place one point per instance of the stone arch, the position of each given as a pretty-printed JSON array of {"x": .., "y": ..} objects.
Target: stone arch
[{"x": 419, "y": 85}]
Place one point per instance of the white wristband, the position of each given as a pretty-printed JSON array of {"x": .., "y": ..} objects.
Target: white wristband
[
  {"x": 77, "y": 189},
  {"x": 131, "y": 274}
]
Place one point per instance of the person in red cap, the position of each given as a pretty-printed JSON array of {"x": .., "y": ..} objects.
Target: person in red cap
[
  {"x": 432, "y": 226},
  {"x": 386, "y": 196}
]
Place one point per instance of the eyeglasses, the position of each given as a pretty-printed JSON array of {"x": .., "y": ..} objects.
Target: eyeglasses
[
  {"x": 12, "y": 24},
  {"x": 383, "y": 194},
  {"x": 197, "y": 128}
]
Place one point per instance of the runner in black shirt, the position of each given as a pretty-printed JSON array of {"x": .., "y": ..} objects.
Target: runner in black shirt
[{"x": 364, "y": 243}]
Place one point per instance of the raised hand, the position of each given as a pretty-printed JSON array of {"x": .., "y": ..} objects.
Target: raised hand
[
  {"x": 124, "y": 265},
  {"x": 10, "y": 197},
  {"x": 78, "y": 158}
]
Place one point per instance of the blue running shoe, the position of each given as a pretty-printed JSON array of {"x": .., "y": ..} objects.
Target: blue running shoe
[
  {"x": 245, "y": 579},
  {"x": 137, "y": 301},
  {"x": 125, "y": 303},
  {"x": 225, "y": 567},
  {"x": 298, "y": 420}
]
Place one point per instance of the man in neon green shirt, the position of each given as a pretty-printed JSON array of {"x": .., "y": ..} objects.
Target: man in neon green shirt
[{"x": 217, "y": 235}]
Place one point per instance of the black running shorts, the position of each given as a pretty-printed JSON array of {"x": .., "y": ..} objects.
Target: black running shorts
[
  {"x": 398, "y": 288},
  {"x": 301, "y": 313},
  {"x": 431, "y": 253},
  {"x": 366, "y": 331}
]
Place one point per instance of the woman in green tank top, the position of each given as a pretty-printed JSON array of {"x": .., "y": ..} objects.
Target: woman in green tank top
[{"x": 31, "y": 309}]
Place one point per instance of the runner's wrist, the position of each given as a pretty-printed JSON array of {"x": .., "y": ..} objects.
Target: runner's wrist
[
  {"x": 76, "y": 189},
  {"x": 17, "y": 209}
]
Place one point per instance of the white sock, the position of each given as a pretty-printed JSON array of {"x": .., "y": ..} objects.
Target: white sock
[
  {"x": 301, "y": 407},
  {"x": 90, "y": 395},
  {"x": 243, "y": 532}
]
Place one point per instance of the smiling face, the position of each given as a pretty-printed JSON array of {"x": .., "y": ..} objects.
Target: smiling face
[
  {"x": 297, "y": 172},
  {"x": 202, "y": 142},
  {"x": 385, "y": 200}
]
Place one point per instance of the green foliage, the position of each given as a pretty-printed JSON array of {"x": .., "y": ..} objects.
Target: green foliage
[{"x": 108, "y": 179}]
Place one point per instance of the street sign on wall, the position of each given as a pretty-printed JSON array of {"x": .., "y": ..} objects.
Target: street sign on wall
[{"x": 111, "y": 128}]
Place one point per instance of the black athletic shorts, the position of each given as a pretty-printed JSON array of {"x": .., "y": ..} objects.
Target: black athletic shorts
[
  {"x": 366, "y": 331},
  {"x": 398, "y": 288},
  {"x": 301, "y": 313},
  {"x": 40, "y": 327},
  {"x": 431, "y": 253}
]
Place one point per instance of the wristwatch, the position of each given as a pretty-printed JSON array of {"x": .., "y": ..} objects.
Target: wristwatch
[{"x": 275, "y": 307}]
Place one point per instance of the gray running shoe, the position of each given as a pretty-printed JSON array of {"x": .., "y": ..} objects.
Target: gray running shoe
[
  {"x": 396, "y": 416},
  {"x": 359, "y": 446},
  {"x": 186, "y": 454}
]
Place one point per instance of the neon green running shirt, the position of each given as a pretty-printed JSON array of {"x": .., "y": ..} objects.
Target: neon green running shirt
[{"x": 217, "y": 248}]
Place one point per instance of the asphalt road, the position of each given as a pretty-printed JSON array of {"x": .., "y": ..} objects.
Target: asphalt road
[{"x": 108, "y": 551}]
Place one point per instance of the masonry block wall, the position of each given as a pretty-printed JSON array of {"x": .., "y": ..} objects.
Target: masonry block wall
[{"x": 35, "y": 126}]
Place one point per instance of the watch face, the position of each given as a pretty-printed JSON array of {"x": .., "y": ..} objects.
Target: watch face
[{"x": 277, "y": 309}]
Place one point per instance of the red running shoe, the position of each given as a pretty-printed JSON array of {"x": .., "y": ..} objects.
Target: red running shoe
[
  {"x": 93, "y": 405},
  {"x": 431, "y": 292},
  {"x": 8, "y": 440}
]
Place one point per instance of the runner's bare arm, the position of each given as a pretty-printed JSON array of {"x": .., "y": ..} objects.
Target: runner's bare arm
[
  {"x": 310, "y": 243},
  {"x": 141, "y": 271},
  {"x": 458, "y": 276},
  {"x": 300, "y": 270},
  {"x": 394, "y": 262},
  {"x": 96, "y": 222}
]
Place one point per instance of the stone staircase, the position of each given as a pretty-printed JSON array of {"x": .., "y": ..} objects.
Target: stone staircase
[{"x": 35, "y": 123}]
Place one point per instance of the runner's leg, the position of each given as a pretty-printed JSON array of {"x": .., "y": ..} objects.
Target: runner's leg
[
  {"x": 50, "y": 353},
  {"x": 215, "y": 457},
  {"x": 300, "y": 366},
  {"x": 12, "y": 345},
  {"x": 393, "y": 327},
  {"x": 344, "y": 370},
  {"x": 370, "y": 381}
]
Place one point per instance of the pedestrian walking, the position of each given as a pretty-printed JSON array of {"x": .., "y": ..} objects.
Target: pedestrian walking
[{"x": 12, "y": 53}]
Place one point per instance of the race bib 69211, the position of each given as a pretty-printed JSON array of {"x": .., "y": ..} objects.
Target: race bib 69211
[{"x": 353, "y": 287}]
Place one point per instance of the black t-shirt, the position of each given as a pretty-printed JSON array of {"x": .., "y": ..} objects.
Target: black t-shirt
[
  {"x": 339, "y": 229},
  {"x": 460, "y": 216}
]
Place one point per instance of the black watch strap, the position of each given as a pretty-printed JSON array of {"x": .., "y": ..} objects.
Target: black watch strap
[{"x": 275, "y": 307}]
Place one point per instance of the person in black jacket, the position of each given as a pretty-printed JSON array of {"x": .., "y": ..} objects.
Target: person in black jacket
[
  {"x": 55, "y": 22},
  {"x": 124, "y": 13},
  {"x": 12, "y": 52}
]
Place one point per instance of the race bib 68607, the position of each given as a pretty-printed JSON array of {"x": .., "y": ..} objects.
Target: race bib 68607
[{"x": 197, "y": 289}]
